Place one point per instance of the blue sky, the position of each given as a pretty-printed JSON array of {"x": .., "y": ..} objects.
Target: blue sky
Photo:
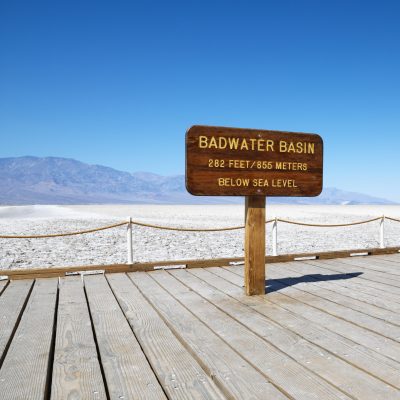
[{"x": 118, "y": 82}]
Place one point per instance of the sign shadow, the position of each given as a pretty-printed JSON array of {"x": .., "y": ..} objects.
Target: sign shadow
[{"x": 274, "y": 285}]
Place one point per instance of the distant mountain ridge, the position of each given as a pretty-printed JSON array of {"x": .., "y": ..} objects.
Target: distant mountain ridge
[{"x": 53, "y": 180}]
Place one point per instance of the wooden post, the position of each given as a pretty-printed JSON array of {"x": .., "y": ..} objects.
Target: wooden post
[
  {"x": 129, "y": 241},
  {"x": 275, "y": 237},
  {"x": 254, "y": 245},
  {"x": 382, "y": 233}
]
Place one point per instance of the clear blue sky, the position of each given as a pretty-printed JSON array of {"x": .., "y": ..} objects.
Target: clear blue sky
[{"x": 118, "y": 82}]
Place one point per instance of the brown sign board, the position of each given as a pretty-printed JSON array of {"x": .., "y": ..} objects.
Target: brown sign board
[{"x": 251, "y": 162}]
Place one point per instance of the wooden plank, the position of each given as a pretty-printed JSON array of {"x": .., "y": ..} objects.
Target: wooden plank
[
  {"x": 127, "y": 372},
  {"x": 76, "y": 368},
  {"x": 293, "y": 301},
  {"x": 118, "y": 268},
  {"x": 264, "y": 356},
  {"x": 235, "y": 376},
  {"x": 61, "y": 271},
  {"x": 374, "y": 276},
  {"x": 347, "y": 286},
  {"x": 328, "y": 366},
  {"x": 232, "y": 275},
  {"x": 254, "y": 245},
  {"x": 3, "y": 285},
  {"x": 393, "y": 257},
  {"x": 177, "y": 371},
  {"x": 363, "y": 283},
  {"x": 36, "y": 276},
  {"x": 377, "y": 265},
  {"x": 24, "y": 374},
  {"x": 364, "y": 358},
  {"x": 217, "y": 262},
  {"x": 378, "y": 319},
  {"x": 368, "y": 278},
  {"x": 12, "y": 303},
  {"x": 318, "y": 299},
  {"x": 388, "y": 262}
]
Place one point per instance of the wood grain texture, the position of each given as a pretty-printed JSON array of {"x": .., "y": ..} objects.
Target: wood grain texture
[
  {"x": 3, "y": 285},
  {"x": 254, "y": 245},
  {"x": 352, "y": 288},
  {"x": 232, "y": 374},
  {"x": 392, "y": 269},
  {"x": 34, "y": 275},
  {"x": 264, "y": 356},
  {"x": 363, "y": 283},
  {"x": 326, "y": 286},
  {"x": 207, "y": 164},
  {"x": 126, "y": 370},
  {"x": 394, "y": 258},
  {"x": 199, "y": 336},
  {"x": 384, "y": 265},
  {"x": 374, "y": 276},
  {"x": 76, "y": 368},
  {"x": 337, "y": 305},
  {"x": 11, "y": 305},
  {"x": 296, "y": 302},
  {"x": 25, "y": 369},
  {"x": 178, "y": 372},
  {"x": 360, "y": 356},
  {"x": 325, "y": 364},
  {"x": 216, "y": 262}
]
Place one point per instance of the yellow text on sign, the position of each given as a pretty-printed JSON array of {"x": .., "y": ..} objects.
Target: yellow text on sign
[
  {"x": 245, "y": 182},
  {"x": 253, "y": 144}
]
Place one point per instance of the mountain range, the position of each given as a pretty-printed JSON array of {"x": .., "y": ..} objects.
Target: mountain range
[{"x": 53, "y": 180}]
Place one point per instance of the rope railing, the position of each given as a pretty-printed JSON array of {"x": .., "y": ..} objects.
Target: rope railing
[
  {"x": 329, "y": 225},
  {"x": 275, "y": 221},
  {"x": 393, "y": 219},
  {"x": 52, "y": 235},
  {"x": 178, "y": 229},
  {"x": 170, "y": 228}
]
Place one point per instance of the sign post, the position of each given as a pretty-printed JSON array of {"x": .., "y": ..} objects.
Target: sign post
[
  {"x": 253, "y": 163},
  {"x": 254, "y": 245}
]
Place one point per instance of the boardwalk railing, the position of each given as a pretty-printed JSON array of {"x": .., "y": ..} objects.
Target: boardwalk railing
[{"x": 129, "y": 223}]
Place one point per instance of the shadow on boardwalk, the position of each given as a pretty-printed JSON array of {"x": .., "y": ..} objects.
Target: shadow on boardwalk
[{"x": 273, "y": 285}]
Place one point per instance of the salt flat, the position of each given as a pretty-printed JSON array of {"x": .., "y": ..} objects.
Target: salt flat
[{"x": 109, "y": 246}]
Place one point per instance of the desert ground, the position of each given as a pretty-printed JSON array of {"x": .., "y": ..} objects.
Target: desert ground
[{"x": 106, "y": 247}]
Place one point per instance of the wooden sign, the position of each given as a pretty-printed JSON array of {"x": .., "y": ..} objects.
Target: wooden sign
[{"x": 251, "y": 162}]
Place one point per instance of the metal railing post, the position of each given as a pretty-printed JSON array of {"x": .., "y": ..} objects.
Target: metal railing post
[
  {"x": 382, "y": 233},
  {"x": 129, "y": 241},
  {"x": 275, "y": 237}
]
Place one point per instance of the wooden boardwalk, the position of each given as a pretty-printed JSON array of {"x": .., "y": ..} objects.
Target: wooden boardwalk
[{"x": 327, "y": 329}]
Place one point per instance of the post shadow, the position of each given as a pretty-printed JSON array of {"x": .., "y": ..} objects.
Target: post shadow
[{"x": 273, "y": 285}]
